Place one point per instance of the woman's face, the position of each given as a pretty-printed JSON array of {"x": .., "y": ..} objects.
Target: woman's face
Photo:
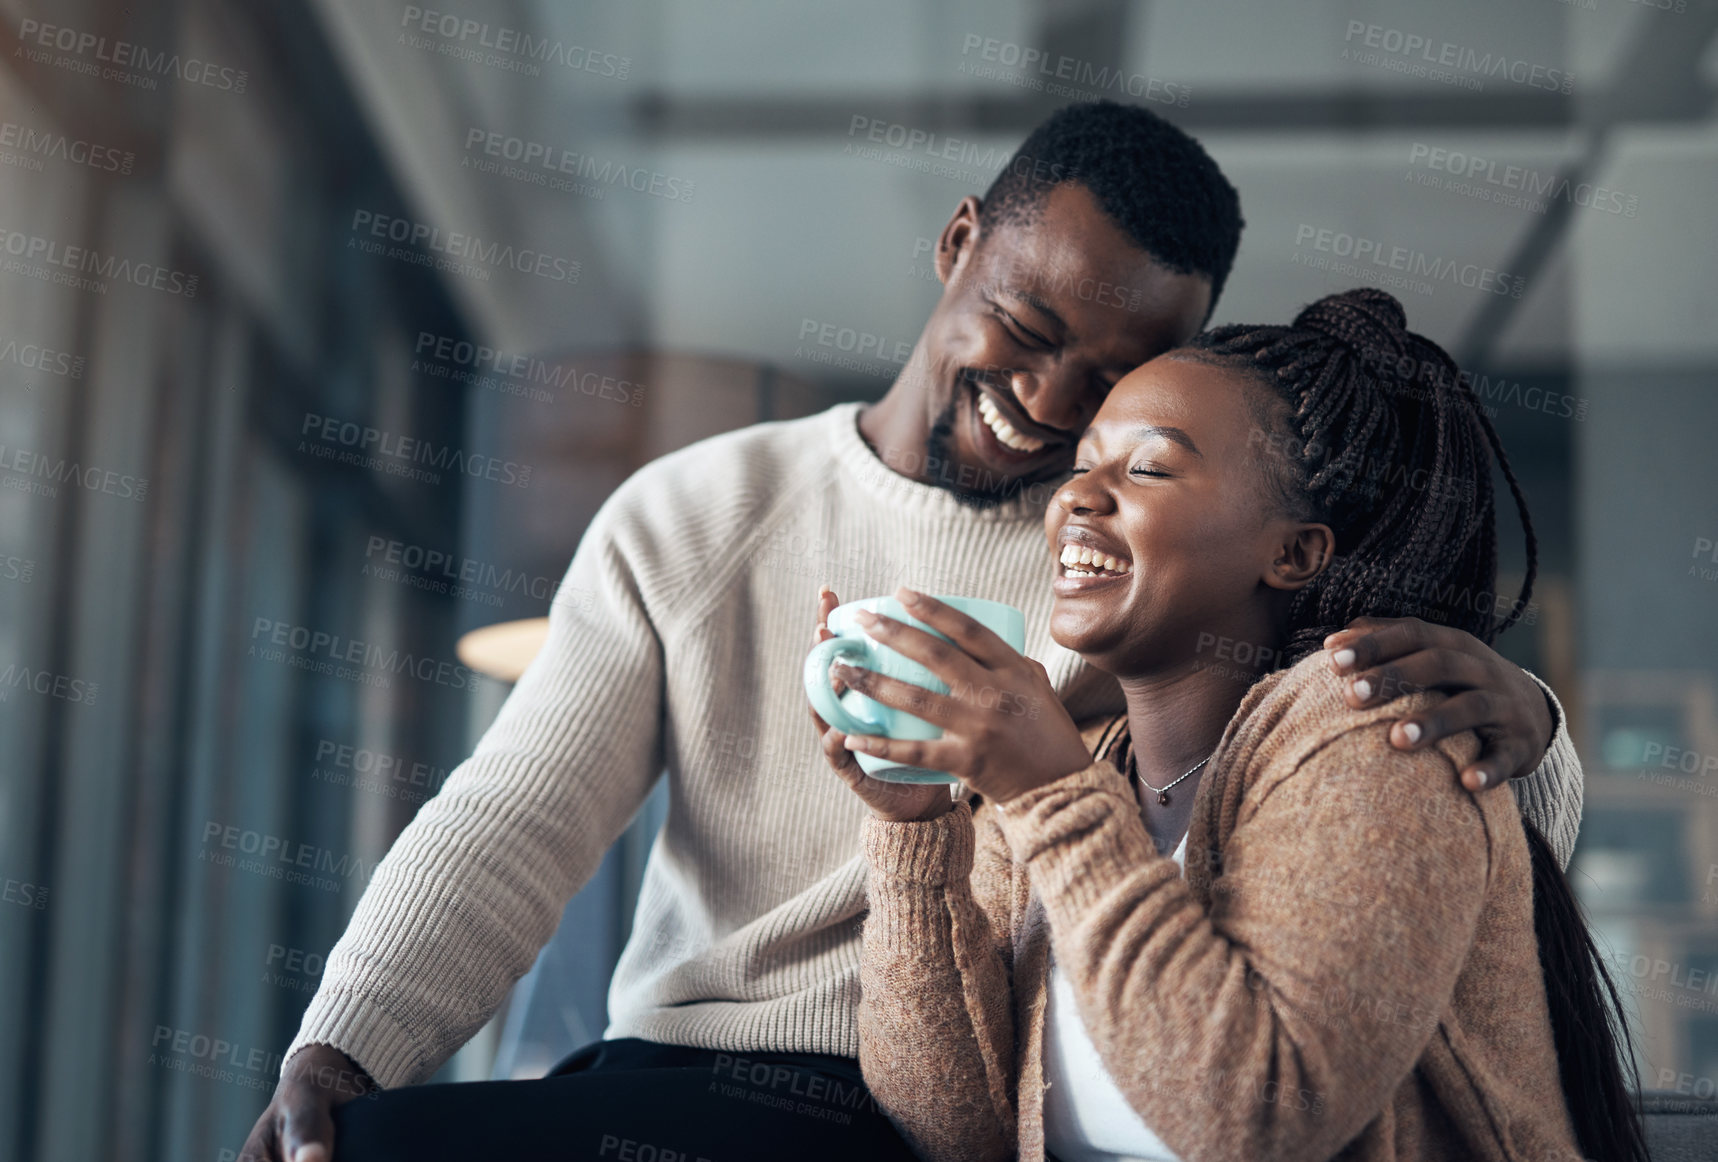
[{"x": 1172, "y": 498}]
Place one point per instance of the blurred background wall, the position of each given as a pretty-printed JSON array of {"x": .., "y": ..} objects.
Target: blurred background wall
[{"x": 325, "y": 325}]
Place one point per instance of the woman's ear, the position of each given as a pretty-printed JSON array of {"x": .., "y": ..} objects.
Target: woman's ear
[{"x": 1304, "y": 552}]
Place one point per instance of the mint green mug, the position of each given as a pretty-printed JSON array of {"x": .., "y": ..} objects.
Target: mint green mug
[{"x": 853, "y": 713}]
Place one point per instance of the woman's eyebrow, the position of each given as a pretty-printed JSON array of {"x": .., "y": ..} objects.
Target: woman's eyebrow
[{"x": 1168, "y": 433}]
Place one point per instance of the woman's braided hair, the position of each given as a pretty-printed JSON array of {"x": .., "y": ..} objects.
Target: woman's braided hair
[{"x": 1386, "y": 442}]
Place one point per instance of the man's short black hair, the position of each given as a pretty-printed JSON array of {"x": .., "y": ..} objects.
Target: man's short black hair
[{"x": 1153, "y": 180}]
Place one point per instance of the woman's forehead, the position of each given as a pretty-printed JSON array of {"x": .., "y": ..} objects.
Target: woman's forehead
[{"x": 1171, "y": 390}]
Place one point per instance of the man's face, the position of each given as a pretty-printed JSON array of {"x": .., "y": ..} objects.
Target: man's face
[{"x": 1036, "y": 323}]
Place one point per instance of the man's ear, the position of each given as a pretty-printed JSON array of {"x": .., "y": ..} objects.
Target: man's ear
[
  {"x": 1304, "y": 552},
  {"x": 958, "y": 239}
]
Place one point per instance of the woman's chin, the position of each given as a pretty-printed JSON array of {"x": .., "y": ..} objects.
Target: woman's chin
[{"x": 1077, "y": 630}]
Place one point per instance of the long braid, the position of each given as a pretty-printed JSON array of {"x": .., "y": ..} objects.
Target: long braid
[
  {"x": 1367, "y": 397},
  {"x": 1390, "y": 446}
]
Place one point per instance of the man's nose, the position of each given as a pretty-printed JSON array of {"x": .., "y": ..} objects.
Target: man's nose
[{"x": 1059, "y": 397}]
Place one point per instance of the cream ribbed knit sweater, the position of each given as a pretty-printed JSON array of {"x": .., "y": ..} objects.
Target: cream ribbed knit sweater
[{"x": 675, "y": 644}]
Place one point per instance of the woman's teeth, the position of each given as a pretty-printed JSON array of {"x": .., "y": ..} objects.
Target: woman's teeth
[
  {"x": 1079, "y": 561},
  {"x": 1005, "y": 432}
]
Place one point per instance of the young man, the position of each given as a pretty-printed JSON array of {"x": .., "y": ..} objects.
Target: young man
[{"x": 1105, "y": 242}]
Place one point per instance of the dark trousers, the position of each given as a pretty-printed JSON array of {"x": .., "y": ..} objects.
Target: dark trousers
[{"x": 630, "y": 1100}]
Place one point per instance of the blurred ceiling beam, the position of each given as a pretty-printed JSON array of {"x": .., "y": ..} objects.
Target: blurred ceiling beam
[
  {"x": 1662, "y": 83},
  {"x": 1092, "y": 29},
  {"x": 664, "y": 119},
  {"x": 419, "y": 106}
]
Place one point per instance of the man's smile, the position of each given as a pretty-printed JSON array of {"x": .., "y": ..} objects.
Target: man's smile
[{"x": 1003, "y": 434}]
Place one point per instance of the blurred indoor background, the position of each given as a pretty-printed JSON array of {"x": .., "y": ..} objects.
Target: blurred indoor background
[{"x": 325, "y": 326}]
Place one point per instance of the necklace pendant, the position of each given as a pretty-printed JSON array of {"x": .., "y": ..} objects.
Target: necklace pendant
[{"x": 1163, "y": 798}]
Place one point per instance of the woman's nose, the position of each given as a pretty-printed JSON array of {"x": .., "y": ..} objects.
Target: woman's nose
[{"x": 1083, "y": 495}]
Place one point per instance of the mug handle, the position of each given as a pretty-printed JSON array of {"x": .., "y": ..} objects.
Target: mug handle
[{"x": 822, "y": 694}]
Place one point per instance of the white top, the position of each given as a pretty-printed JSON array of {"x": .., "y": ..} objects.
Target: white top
[{"x": 1086, "y": 1118}]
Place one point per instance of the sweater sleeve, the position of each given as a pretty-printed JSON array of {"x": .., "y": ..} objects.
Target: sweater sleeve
[
  {"x": 474, "y": 886},
  {"x": 936, "y": 1026},
  {"x": 1550, "y": 798},
  {"x": 1277, "y": 1023}
]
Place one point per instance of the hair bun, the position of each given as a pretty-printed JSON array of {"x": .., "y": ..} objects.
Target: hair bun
[{"x": 1369, "y": 320}]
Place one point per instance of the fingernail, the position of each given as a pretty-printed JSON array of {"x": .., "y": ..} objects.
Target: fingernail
[
  {"x": 908, "y": 596},
  {"x": 865, "y": 617},
  {"x": 1411, "y": 731},
  {"x": 1363, "y": 689},
  {"x": 854, "y": 742},
  {"x": 1343, "y": 659},
  {"x": 1484, "y": 778}
]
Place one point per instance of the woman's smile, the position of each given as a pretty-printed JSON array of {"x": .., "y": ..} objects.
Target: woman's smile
[{"x": 1089, "y": 562}]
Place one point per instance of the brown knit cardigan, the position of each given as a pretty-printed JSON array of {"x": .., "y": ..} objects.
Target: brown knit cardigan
[{"x": 1347, "y": 969}]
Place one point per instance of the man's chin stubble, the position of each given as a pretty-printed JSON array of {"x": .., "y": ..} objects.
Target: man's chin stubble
[{"x": 939, "y": 449}]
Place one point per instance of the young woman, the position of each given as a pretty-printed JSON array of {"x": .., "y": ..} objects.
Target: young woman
[{"x": 1347, "y": 954}]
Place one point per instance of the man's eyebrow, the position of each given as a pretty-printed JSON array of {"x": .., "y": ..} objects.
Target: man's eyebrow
[
  {"x": 1168, "y": 433},
  {"x": 1037, "y": 303}
]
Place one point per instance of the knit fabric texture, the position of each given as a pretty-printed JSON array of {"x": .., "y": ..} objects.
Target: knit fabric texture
[
  {"x": 1348, "y": 968},
  {"x": 675, "y": 646}
]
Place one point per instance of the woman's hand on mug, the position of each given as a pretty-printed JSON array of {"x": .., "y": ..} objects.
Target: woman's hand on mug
[
  {"x": 1004, "y": 730},
  {"x": 896, "y": 802}
]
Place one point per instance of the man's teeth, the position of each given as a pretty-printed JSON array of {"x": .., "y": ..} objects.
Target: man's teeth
[
  {"x": 1004, "y": 430},
  {"x": 1095, "y": 564}
]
